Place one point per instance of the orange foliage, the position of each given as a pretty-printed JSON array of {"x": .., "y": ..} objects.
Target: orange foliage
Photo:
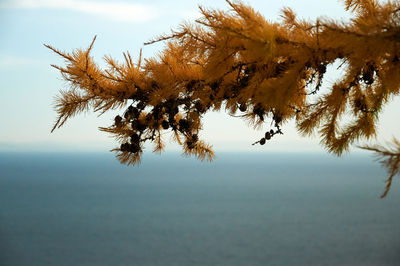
[{"x": 238, "y": 60}]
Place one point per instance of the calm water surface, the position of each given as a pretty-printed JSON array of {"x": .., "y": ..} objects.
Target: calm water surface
[{"x": 242, "y": 209}]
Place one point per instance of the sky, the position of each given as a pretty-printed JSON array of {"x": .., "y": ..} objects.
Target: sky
[{"x": 29, "y": 84}]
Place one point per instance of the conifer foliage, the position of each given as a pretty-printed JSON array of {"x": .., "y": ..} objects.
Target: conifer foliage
[{"x": 241, "y": 62}]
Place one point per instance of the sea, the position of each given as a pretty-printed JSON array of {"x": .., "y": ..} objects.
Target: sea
[{"x": 250, "y": 209}]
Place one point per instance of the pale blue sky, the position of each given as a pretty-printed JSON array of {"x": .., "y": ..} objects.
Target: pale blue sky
[{"x": 28, "y": 83}]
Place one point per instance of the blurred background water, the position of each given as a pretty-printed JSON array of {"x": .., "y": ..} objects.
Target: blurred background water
[{"x": 242, "y": 209}]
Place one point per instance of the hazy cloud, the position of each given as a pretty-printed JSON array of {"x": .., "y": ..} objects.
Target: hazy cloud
[
  {"x": 122, "y": 11},
  {"x": 190, "y": 15},
  {"x": 7, "y": 61}
]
